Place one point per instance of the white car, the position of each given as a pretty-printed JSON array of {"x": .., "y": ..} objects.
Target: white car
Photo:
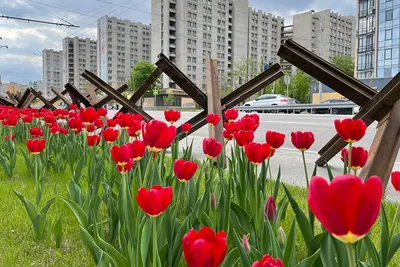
[{"x": 271, "y": 100}]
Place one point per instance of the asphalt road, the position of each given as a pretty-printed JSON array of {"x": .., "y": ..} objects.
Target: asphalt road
[{"x": 287, "y": 156}]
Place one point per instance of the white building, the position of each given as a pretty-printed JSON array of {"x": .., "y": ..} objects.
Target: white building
[
  {"x": 79, "y": 54},
  {"x": 52, "y": 70},
  {"x": 121, "y": 45}
]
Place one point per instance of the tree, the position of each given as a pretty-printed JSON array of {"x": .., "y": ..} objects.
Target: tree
[
  {"x": 243, "y": 71},
  {"x": 169, "y": 99},
  {"x": 345, "y": 63},
  {"x": 300, "y": 86},
  {"x": 140, "y": 72}
]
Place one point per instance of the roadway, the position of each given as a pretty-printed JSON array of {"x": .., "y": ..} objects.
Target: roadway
[{"x": 287, "y": 156}]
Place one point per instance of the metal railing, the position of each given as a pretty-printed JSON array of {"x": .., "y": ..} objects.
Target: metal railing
[{"x": 312, "y": 108}]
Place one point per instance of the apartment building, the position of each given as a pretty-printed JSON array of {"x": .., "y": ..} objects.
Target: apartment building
[
  {"x": 79, "y": 54},
  {"x": 325, "y": 33},
  {"x": 52, "y": 70},
  {"x": 378, "y": 39},
  {"x": 121, "y": 45}
]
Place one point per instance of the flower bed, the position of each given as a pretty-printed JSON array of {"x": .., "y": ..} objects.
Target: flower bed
[{"x": 135, "y": 206}]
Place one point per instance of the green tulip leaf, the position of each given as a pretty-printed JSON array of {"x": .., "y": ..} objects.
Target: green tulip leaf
[
  {"x": 394, "y": 246},
  {"x": 301, "y": 218},
  {"x": 232, "y": 258},
  {"x": 385, "y": 238},
  {"x": 145, "y": 241},
  {"x": 57, "y": 229},
  {"x": 78, "y": 212},
  {"x": 277, "y": 183},
  {"x": 242, "y": 216},
  {"x": 290, "y": 251},
  {"x": 372, "y": 253},
  {"x": 310, "y": 260},
  {"x": 117, "y": 257},
  {"x": 48, "y": 205},
  {"x": 30, "y": 208},
  {"x": 328, "y": 252},
  {"x": 244, "y": 257}
]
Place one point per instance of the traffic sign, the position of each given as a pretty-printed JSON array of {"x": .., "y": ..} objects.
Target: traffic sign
[
  {"x": 287, "y": 79},
  {"x": 155, "y": 92}
]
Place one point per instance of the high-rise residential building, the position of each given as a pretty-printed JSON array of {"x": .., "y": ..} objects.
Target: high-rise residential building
[
  {"x": 121, "y": 44},
  {"x": 226, "y": 30},
  {"x": 286, "y": 34},
  {"x": 326, "y": 33},
  {"x": 378, "y": 38},
  {"x": 78, "y": 55},
  {"x": 52, "y": 70},
  {"x": 264, "y": 37}
]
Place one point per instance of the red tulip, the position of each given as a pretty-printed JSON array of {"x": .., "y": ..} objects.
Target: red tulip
[
  {"x": 346, "y": 207},
  {"x": 211, "y": 148},
  {"x": 172, "y": 115},
  {"x": 12, "y": 121},
  {"x": 121, "y": 154},
  {"x": 137, "y": 117},
  {"x": 157, "y": 135},
  {"x": 186, "y": 127},
  {"x": 99, "y": 123},
  {"x": 126, "y": 168},
  {"x": 55, "y": 129},
  {"x": 270, "y": 209},
  {"x": 138, "y": 148},
  {"x": 205, "y": 248},
  {"x": 88, "y": 116},
  {"x": 246, "y": 244},
  {"x": 49, "y": 119},
  {"x": 102, "y": 112},
  {"x": 9, "y": 137},
  {"x": 247, "y": 124},
  {"x": 36, "y": 132},
  {"x": 256, "y": 119},
  {"x": 275, "y": 139},
  {"x": 4, "y": 122},
  {"x": 27, "y": 119},
  {"x": 184, "y": 170},
  {"x": 110, "y": 135},
  {"x": 359, "y": 157},
  {"x": 396, "y": 181},
  {"x": 75, "y": 124},
  {"x": 125, "y": 120},
  {"x": 35, "y": 146},
  {"x": 231, "y": 114},
  {"x": 93, "y": 140},
  {"x": 134, "y": 129},
  {"x": 227, "y": 135},
  {"x": 230, "y": 128},
  {"x": 350, "y": 130},
  {"x": 302, "y": 140},
  {"x": 90, "y": 128},
  {"x": 155, "y": 201},
  {"x": 243, "y": 137},
  {"x": 64, "y": 131},
  {"x": 112, "y": 123},
  {"x": 256, "y": 153},
  {"x": 268, "y": 261},
  {"x": 73, "y": 106},
  {"x": 213, "y": 119}
]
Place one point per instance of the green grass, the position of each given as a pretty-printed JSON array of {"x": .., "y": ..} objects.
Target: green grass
[{"x": 18, "y": 248}]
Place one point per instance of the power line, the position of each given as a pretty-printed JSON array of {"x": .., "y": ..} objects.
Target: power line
[
  {"x": 51, "y": 13},
  {"x": 40, "y": 21}
]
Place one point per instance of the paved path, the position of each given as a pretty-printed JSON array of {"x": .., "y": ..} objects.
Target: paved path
[{"x": 287, "y": 157}]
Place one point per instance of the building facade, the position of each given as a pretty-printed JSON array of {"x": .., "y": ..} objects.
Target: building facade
[
  {"x": 52, "y": 70},
  {"x": 79, "y": 54},
  {"x": 121, "y": 45},
  {"x": 226, "y": 30},
  {"x": 326, "y": 33}
]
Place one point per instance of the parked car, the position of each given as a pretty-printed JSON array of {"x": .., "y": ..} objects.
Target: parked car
[
  {"x": 337, "y": 110},
  {"x": 270, "y": 100}
]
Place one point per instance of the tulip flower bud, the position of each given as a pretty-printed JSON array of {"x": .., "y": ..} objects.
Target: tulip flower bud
[
  {"x": 246, "y": 244},
  {"x": 213, "y": 202},
  {"x": 281, "y": 237},
  {"x": 270, "y": 209}
]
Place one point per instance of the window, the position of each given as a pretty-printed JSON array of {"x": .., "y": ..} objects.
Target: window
[
  {"x": 389, "y": 15},
  {"x": 388, "y": 53},
  {"x": 388, "y": 34}
]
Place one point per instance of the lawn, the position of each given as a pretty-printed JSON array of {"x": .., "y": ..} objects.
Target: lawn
[{"x": 18, "y": 248}]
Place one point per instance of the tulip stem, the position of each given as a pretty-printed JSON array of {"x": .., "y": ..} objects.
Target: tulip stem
[
  {"x": 349, "y": 159},
  {"x": 155, "y": 242},
  {"x": 350, "y": 255},
  {"x": 268, "y": 168},
  {"x": 305, "y": 168},
  {"x": 394, "y": 220}
]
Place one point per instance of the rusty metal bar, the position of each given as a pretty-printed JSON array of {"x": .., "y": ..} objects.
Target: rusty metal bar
[
  {"x": 197, "y": 122},
  {"x": 376, "y": 109},
  {"x": 182, "y": 81},
  {"x": 131, "y": 107},
  {"x": 325, "y": 72},
  {"x": 76, "y": 96},
  {"x": 60, "y": 96},
  {"x": 107, "y": 98},
  {"x": 12, "y": 98},
  {"x": 44, "y": 100},
  {"x": 26, "y": 99},
  {"x": 6, "y": 102}
]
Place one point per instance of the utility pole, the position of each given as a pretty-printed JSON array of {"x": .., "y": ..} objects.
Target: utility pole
[{"x": 320, "y": 52}]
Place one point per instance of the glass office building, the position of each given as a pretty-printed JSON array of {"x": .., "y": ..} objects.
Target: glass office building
[{"x": 378, "y": 38}]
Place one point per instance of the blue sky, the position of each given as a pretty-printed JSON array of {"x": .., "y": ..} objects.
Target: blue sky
[{"x": 22, "y": 62}]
